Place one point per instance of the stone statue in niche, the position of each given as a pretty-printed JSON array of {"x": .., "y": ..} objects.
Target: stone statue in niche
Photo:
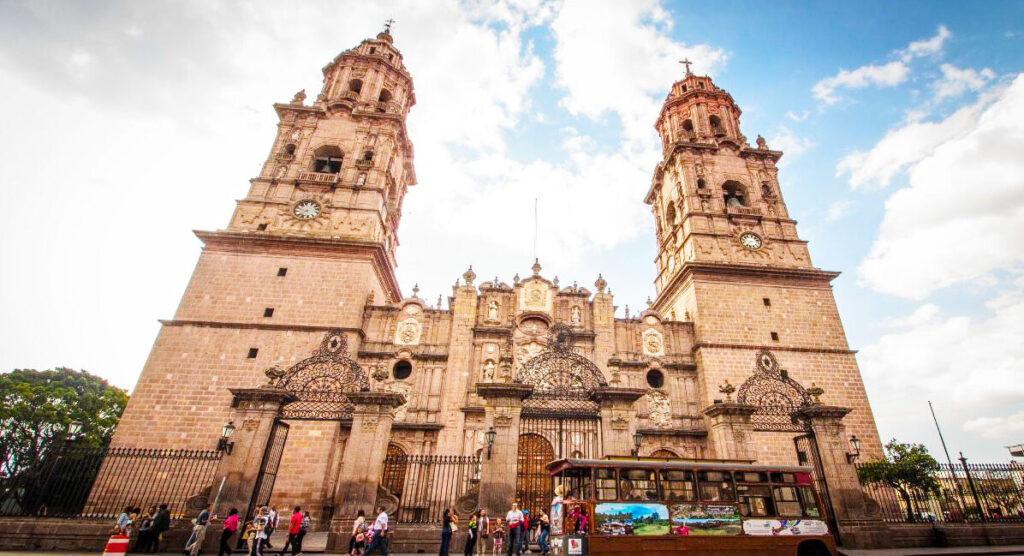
[
  {"x": 492, "y": 311},
  {"x": 489, "y": 368},
  {"x": 575, "y": 315}
]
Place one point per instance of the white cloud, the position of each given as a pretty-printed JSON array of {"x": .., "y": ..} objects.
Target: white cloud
[
  {"x": 837, "y": 210},
  {"x": 928, "y": 47},
  {"x": 790, "y": 143},
  {"x": 798, "y": 117},
  {"x": 925, "y": 314},
  {"x": 955, "y": 81},
  {"x": 908, "y": 144},
  {"x": 888, "y": 75},
  {"x": 962, "y": 214},
  {"x": 996, "y": 428},
  {"x": 969, "y": 366},
  {"x": 617, "y": 57},
  {"x": 884, "y": 75}
]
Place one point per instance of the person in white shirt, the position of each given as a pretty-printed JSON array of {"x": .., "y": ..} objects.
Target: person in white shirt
[
  {"x": 380, "y": 534},
  {"x": 514, "y": 519}
]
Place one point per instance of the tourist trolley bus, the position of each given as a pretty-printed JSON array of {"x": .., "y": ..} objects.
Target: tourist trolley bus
[{"x": 685, "y": 507}]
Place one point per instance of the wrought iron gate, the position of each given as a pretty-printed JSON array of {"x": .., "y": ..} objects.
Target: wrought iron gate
[
  {"x": 546, "y": 438},
  {"x": 807, "y": 454},
  {"x": 268, "y": 468}
]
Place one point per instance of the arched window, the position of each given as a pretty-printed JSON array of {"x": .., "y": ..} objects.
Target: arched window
[
  {"x": 327, "y": 159},
  {"x": 766, "y": 190},
  {"x": 670, "y": 214},
  {"x": 395, "y": 464},
  {"x": 385, "y": 95},
  {"x": 716, "y": 126},
  {"x": 289, "y": 149},
  {"x": 367, "y": 156},
  {"x": 356, "y": 86},
  {"x": 688, "y": 129},
  {"x": 663, "y": 453},
  {"x": 701, "y": 184},
  {"x": 735, "y": 194}
]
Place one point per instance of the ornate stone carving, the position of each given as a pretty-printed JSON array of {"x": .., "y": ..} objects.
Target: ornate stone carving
[
  {"x": 488, "y": 371},
  {"x": 250, "y": 425},
  {"x": 400, "y": 387},
  {"x": 492, "y": 311},
  {"x": 620, "y": 423},
  {"x": 575, "y": 315},
  {"x": 775, "y": 395},
  {"x": 653, "y": 342},
  {"x": 659, "y": 409},
  {"x": 320, "y": 383},
  {"x": 370, "y": 424},
  {"x": 408, "y": 332}
]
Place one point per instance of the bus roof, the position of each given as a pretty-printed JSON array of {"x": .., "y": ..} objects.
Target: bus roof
[{"x": 569, "y": 463}]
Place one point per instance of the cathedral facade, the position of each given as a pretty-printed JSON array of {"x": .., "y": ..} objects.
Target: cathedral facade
[{"x": 293, "y": 327}]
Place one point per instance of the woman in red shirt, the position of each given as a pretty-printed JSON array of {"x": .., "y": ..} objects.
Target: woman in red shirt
[{"x": 230, "y": 526}]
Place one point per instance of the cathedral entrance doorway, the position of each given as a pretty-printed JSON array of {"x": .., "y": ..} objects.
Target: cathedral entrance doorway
[
  {"x": 533, "y": 482},
  {"x": 807, "y": 454}
]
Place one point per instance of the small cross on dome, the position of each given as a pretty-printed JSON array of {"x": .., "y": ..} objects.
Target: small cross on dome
[{"x": 686, "y": 62}]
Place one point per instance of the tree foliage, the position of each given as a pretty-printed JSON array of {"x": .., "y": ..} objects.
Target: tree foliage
[
  {"x": 37, "y": 407},
  {"x": 906, "y": 468}
]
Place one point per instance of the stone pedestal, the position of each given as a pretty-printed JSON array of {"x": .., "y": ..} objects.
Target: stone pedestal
[
  {"x": 844, "y": 489},
  {"x": 498, "y": 472},
  {"x": 730, "y": 431},
  {"x": 362, "y": 462},
  {"x": 255, "y": 410},
  {"x": 618, "y": 418}
]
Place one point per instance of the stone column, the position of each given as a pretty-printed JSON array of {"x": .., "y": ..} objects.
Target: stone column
[
  {"x": 857, "y": 527},
  {"x": 730, "y": 431},
  {"x": 255, "y": 410},
  {"x": 502, "y": 411},
  {"x": 362, "y": 462},
  {"x": 618, "y": 419}
]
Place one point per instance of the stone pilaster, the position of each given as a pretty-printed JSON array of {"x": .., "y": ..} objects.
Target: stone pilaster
[
  {"x": 254, "y": 412},
  {"x": 498, "y": 472},
  {"x": 459, "y": 372},
  {"x": 618, "y": 418},
  {"x": 363, "y": 460},
  {"x": 844, "y": 489},
  {"x": 730, "y": 431}
]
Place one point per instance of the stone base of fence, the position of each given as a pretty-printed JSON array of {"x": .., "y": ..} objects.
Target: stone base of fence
[
  {"x": 80, "y": 535},
  {"x": 921, "y": 535}
]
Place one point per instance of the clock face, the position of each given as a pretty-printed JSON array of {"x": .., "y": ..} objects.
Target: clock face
[
  {"x": 305, "y": 210},
  {"x": 750, "y": 241}
]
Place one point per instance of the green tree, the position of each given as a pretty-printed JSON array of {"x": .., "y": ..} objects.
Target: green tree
[
  {"x": 906, "y": 468},
  {"x": 36, "y": 411}
]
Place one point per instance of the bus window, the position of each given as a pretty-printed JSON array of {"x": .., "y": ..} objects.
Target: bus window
[
  {"x": 577, "y": 483},
  {"x": 755, "y": 501},
  {"x": 787, "y": 502},
  {"x": 716, "y": 486},
  {"x": 809, "y": 503},
  {"x": 605, "y": 483},
  {"x": 750, "y": 477},
  {"x": 788, "y": 478},
  {"x": 638, "y": 484},
  {"x": 678, "y": 485}
]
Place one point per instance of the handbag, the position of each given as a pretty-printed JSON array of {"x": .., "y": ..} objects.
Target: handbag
[
  {"x": 360, "y": 537},
  {"x": 454, "y": 527}
]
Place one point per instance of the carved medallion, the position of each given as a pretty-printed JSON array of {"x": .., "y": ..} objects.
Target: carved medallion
[
  {"x": 653, "y": 342},
  {"x": 408, "y": 332}
]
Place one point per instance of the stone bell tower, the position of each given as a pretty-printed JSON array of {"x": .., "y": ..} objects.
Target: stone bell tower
[
  {"x": 308, "y": 247},
  {"x": 730, "y": 260}
]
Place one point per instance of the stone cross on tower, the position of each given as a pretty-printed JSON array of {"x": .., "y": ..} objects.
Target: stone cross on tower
[
  {"x": 686, "y": 62},
  {"x": 387, "y": 25}
]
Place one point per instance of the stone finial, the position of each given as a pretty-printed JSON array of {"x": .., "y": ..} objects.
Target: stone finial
[
  {"x": 649, "y": 302},
  {"x": 600, "y": 283},
  {"x": 469, "y": 276},
  {"x": 416, "y": 290},
  {"x": 438, "y": 301},
  {"x": 299, "y": 97},
  {"x": 815, "y": 393},
  {"x": 761, "y": 143},
  {"x": 555, "y": 281},
  {"x": 536, "y": 267},
  {"x": 274, "y": 372},
  {"x": 515, "y": 279},
  {"x": 369, "y": 298},
  {"x": 627, "y": 312},
  {"x": 727, "y": 389}
]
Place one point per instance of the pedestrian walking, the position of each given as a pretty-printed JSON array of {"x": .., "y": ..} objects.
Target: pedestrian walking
[
  {"x": 230, "y": 526},
  {"x": 124, "y": 521},
  {"x": 483, "y": 525},
  {"x": 161, "y": 523},
  {"x": 545, "y": 530},
  {"x": 380, "y": 534},
  {"x": 500, "y": 532},
  {"x": 272, "y": 522},
  {"x": 194, "y": 546},
  {"x": 514, "y": 519},
  {"x": 524, "y": 533},
  {"x": 145, "y": 531},
  {"x": 449, "y": 524},
  {"x": 357, "y": 540},
  {"x": 304, "y": 528},
  {"x": 294, "y": 526},
  {"x": 472, "y": 532},
  {"x": 260, "y": 524}
]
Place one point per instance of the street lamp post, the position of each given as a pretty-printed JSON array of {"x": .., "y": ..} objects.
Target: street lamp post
[
  {"x": 224, "y": 444},
  {"x": 490, "y": 436},
  {"x": 638, "y": 437}
]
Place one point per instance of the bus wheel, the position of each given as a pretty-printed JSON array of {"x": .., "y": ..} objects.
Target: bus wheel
[{"x": 813, "y": 548}]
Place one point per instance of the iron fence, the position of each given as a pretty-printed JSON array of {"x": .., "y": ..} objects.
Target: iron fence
[
  {"x": 974, "y": 492},
  {"x": 100, "y": 482},
  {"x": 425, "y": 485}
]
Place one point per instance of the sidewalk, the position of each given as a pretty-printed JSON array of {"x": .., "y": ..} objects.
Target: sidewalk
[{"x": 1014, "y": 549}]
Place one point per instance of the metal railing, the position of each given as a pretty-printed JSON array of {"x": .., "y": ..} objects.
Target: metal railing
[
  {"x": 101, "y": 482},
  {"x": 972, "y": 493},
  {"x": 426, "y": 485}
]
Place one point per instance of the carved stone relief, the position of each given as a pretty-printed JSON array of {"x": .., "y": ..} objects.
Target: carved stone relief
[
  {"x": 659, "y": 409},
  {"x": 408, "y": 332},
  {"x": 653, "y": 342}
]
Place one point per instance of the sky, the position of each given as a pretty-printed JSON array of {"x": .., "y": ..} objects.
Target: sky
[{"x": 125, "y": 125}]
